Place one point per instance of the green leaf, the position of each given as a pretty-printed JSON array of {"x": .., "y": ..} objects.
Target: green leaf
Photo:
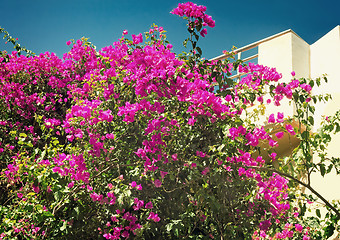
[
  {"x": 318, "y": 82},
  {"x": 318, "y": 213},
  {"x": 302, "y": 98},
  {"x": 220, "y": 148},
  {"x": 169, "y": 227},
  {"x": 322, "y": 169},
  {"x": 199, "y": 27},
  {"x": 76, "y": 209},
  {"x": 56, "y": 195},
  {"x": 63, "y": 227},
  {"x": 337, "y": 128},
  {"x": 311, "y": 120},
  {"x": 42, "y": 156},
  {"x": 305, "y": 135},
  {"x": 329, "y": 230},
  {"x": 29, "y": 208},
  {"x": 22, "y": 135},
  {"x": 199, "y": 50},
  {"x": 329, "y": 168}
]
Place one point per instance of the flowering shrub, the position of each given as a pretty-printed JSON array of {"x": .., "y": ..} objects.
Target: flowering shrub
[{"x": 134, "y": 141}]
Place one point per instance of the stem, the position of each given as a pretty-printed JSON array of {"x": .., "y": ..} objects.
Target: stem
[
  {"x": 59, "y": 205},
  {"x": 113, "y": 165}
]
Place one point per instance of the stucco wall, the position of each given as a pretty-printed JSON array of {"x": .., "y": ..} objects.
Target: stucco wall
[{"x": 289, "y": 53}]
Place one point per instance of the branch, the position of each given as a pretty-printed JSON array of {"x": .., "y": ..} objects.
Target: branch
[
  {"x": 308, "y": 186},
  {"x": 113, "y": 165},
  {"x": 59, "y": 204}
]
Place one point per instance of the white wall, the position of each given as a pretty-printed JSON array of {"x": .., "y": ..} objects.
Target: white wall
[{"x": 289, "y": 53}]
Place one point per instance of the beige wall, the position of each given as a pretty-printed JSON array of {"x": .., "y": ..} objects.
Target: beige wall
[
  {"x": 289, "y": 53},
  {"x": 286, "y": 53},
  {"x": 325, "y": 59}
]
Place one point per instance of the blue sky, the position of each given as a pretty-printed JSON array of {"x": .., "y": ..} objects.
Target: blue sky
[{"x": 43, "y": 25}]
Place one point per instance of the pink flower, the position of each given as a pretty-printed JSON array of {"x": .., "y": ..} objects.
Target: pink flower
[
  {"x": 137, "y": 38},
  {"x": 272, "y": 143},
  {"x": 241, "y": 171},
  {"x": 71, "y": 184},
  {"x": 205, "y": 171},
  {"x": 20, "y": 195},
  {"x": 200, "y": 154},
  {"x": 163, "y": 174},
  {"x": 68, "y": 43},
  {"x": 125, "y": 32},
  {"x": 298, "y": 227},
  {"x": 306, "y": 87},
  {"x": 192, "y": 121},
  {"x": 109, "y": 136},
  {"x": 228, "y": 98},
  {"x": 271, "y": 118},
  {"x": 125, "y": 234},
  {"x": 138, "y": 204},
  {"x": 279, "y": 135},
  {"x": 204, "y": 32},
  {"x": 133, "y": 184},
  {"x": 273, "y": 156},
  {"x": 192, "y": 10},
  {"x": 70, "y": 137},
  {"x": 158, "y": 183},
  {"x": 154, "y": 217},
  {"x": 149, "y": 205},
  {"x": 290, "y": 129},
  {"x": 280, "y": 117},
  {"x": 36, "y": 189},
  {"x": 293, "y": 73}
]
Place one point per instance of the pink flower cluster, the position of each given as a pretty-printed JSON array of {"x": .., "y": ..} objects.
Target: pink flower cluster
[
  {"x": 197, "y": 12},
  {"x": 109, "y": 199},
  {"x": 129, "y": 220},
  {"x": 122, "y": 231},
  {"x": 74, "y": 166},
  {"x": 192, "y": 10}
]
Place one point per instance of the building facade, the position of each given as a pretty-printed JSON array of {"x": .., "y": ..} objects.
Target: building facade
[{"x": 288, "y": 52}]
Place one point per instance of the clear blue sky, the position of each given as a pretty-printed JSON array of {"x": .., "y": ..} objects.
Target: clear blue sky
[{"x": 46, "y": 25}]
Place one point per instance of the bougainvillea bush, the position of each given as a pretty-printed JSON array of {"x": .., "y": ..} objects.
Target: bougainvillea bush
[{"x": 136, "y": 142}]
